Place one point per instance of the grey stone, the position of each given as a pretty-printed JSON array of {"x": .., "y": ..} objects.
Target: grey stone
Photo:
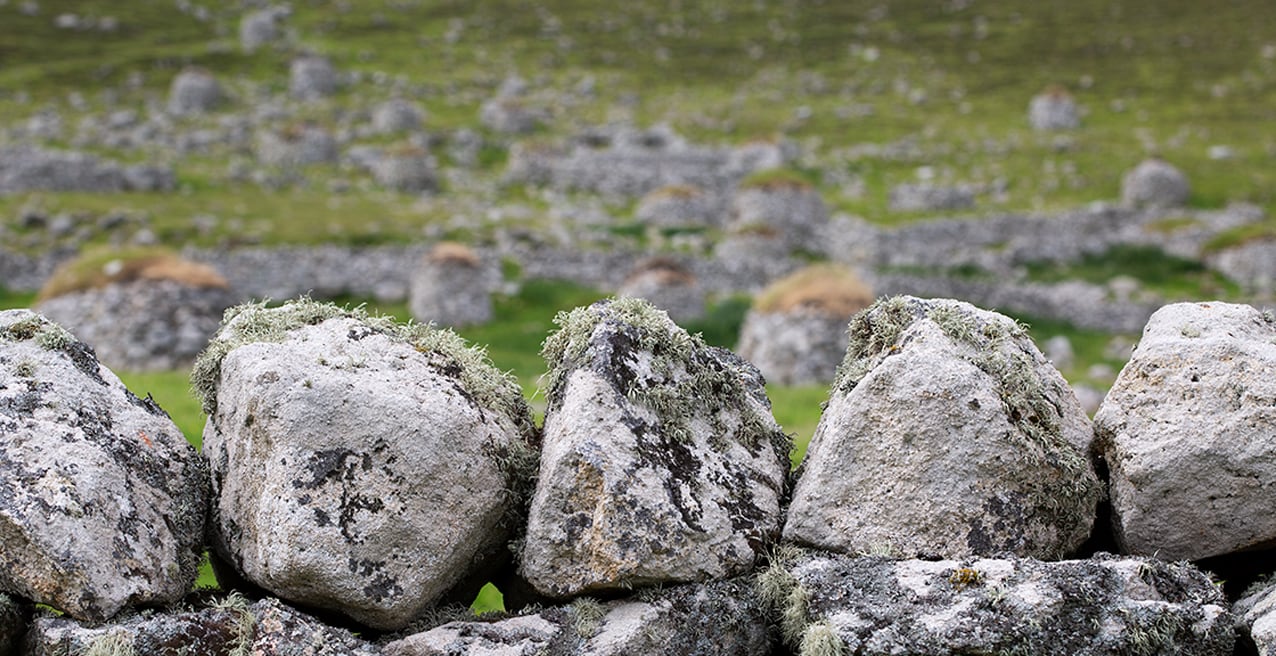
[
  {"x": 794, "y": 210},
  {"x": 686, "y": 620},
  {"x": 1154, "y": 183},
  {"x": 1189, "y": 434},
  {"x": 451, "y": 286},
  {"x": 1255, "y": 614},
  {"x": 661, "y": 460},
  {"x": 794, "y": 348},
  {"x": 1053, "y": 110},
  {"x": 143, "y": 325},
  {"x": 36, "y": 169},
  {"x": 1107, "y": 605},
  {"x": 359, "y": 465},
  {"x": 397, "y": 115},
  {"x": 295, "y": 146},
  {"x": 508, "y": 116},
  {"x": 311, "y": 78},
  {"x": 410, "y": 170},
  {"x": 194, "y": 91},
  {"x": 948, "y": 434},
  {"x": 1058, "y": 350},
  {"x": 678, "y": 207},
  {"x": 260, "y": 28},
  {"x": 102, "y": 501},
  {"x": 1251, "y": 263},
  {"x": 930, "y": 198},
  {"x": 668, "y": 285}
]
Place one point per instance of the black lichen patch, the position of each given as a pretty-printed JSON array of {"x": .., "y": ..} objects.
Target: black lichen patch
[{"x": 345, "y": 468}]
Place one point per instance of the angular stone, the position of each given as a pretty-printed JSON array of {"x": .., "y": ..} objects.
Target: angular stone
[
  {"x": 102, "y": 500},
  {"x": 661, "y": 460},
  {"x": 1106, "y": 605},
  {"x": 1255, "y": 614},
  {"x": 1189, "y": 434},
  {"x": 724, "y": 617},
  {"x": 359, "y": 465},
  {"x": 946, "y": 434}
]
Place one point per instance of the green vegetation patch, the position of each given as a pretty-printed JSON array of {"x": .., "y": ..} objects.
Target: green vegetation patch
[
  {"x": 1169, "y": 275},
  {"x": 99, "y": 267},
  {"x": 684, "y": 377},
  {"x": 1235, "y": 237}
]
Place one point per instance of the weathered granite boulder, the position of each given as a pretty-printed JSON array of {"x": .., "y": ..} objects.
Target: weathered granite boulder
[
  {"x": 230, "y": 626},
  {"x": 795, "y": 333},
  {"x": 668, "y": 285},
  {"x": 154, "y": 313},
  {"x": 451, "y": 287},
  {"x": 1054, "y": 109},
  {"x": 15, "y": 617},
  {"x": 930, "y": 198},
  {"x": 661, "y": 462},
  {"x": 311, "y": 78},
  {"x": 1107, "y": 605},
  {"x": 359, "y": 465},
  {"x": 1189, "y": 434},
  {"x": 397, "y": 115},
  {"x": 1255, "y": 614},
  {"x": 946, "y": 434},
  {"x": 409, "y": 169},
  {"x": 786, "y": 204},
  {"x": 194, "y": 91},
  {"x": 102, "y": 501},
  {"x": 1154, "y": 183},
  {"x": 687, "y": 620}
]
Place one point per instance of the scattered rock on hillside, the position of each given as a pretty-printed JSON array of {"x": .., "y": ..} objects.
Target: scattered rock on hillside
[
  {"x": 714, "y": 618},
  {"x": 791, "y": 207},
  {"x": 15, "y": 616},
  {"x": 311, "y": 78},
  {"x": 1054, "y": 109},
  {"x": 677, "y": 206},
  {"x": 507, "y": 115},
  {"x": 37, "y": 169},
  {"x": 1251, "y": 263},
  {"x": 946, "y": 434},
  {"x": 1106, "y": 605},
  {"x": 1187, "y": 432},
  {"x": 297, "y": 145},
  {"x": 102, "y": 500},
  {"x": 796, "y": 330},
  {"x": 1255, "y": 616},
  {"x": 261, "y": 28},
  {"x": 194, "y": 91},
  {"x": 930, "y": 198},
  {"x": 232, "y": 626},
  {"x": 397, "y": 115},
  {"x": 451, "y": 287},
  {"x": 661, "y": 462},
  {"x": 1154, "y": 183},
  {"x": 668, "y": 285},
  {"x": 410, "y": 170},
  {"x": 359, "y": 465}
]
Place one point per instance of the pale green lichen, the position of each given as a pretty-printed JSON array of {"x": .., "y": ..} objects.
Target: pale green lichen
[
  {"x": 245, "y": 625},
  {"x": 115, "y": 643},
  {"x": 587, "y": 616},
  {"x": 683, "y": 379},
  {"x": 780, "y": 591},
  {"x": 47, "y": 334},
  {"x": 821, "y": 639}
]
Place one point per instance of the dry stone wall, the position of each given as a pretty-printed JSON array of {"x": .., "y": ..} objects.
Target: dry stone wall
[{"x": 363, "y": 473}]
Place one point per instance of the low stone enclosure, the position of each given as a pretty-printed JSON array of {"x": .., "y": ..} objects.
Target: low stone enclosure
[{"x": 361, "y": 475}]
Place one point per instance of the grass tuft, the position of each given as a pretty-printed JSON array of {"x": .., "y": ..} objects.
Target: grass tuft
[{"x": 100, "y": 267}]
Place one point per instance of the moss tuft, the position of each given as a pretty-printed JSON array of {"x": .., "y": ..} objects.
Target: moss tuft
[
  {"x": 49, "y": 335},
  {"x": 828, "y": 289},
  {"x": 115, "y": 643},
  {"x": 821, "y": 639},
  {"x": 587, "y": 616}
]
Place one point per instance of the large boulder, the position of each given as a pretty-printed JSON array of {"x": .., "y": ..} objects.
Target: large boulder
[
  {"x": 102, "y": 500},
  {"x": 1103, "y": 606},
  {"x": 946, "y": 434},
  {"x": 1255, "y": 614},
  {"x": 661, "y": 462},
  {"x": 229, "y": 626},
  {"x": 1154, "y": 183},
  {"x": 688, "y": 620},
  {"x": 1189, "y": 434},
  {"x": 359, "y": 465}
]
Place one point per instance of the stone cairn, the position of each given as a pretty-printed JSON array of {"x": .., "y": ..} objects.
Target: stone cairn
[
  {"x": 368, "y": 472},
  {"x": 667, "y": 284},
  {"x": 194, "y": 91},
  {"x": 1154, "y": 183},
  {"x": 795, "y": 333},
  {"x": 450, "y": 287},
  {"x": 1054, "y": 109}
]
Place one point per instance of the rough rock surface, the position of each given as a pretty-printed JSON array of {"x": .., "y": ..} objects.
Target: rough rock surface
[
  {"x": 948, "y": 434},
  {"x": 661, "y": 461},
  {"x": 102, "y": 501},
  {"x": 1255, "y": 616},
  {"x": 678, "y": 207},
  {"x": 37, "y": 169},
  {"x": 296, "y": 146},
  {"x": 397, "y": 115},
  {"x": 358, "y": 465},
  {"x": 1189, "y": 433},
  {"x": 1154, "y": 183},
  {"x": 410, "y": 170},
  {"x": 1106, "y": 605},
  {"x": 1053, "y": 110},
  {"x": 14, "y": 618},
  {"x": 793, "y": 348},
  {"x": 144, "y": 325},
  {"x": 264, "y": 628},
  {"x": 451, "y": 287},
  {"x": 668, "y": 285},
  {"x": 687, "y": 620},
  {"x": 795, "y": 210},
  {"x": 311, "y": 78},
  {"x": 194, "y": 91}
]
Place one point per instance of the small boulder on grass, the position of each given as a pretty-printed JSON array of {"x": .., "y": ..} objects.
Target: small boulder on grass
[
  {"x": 407, "y": 169},
  {"x": 662, "y": 462},
  {"x": 359, "y": 465},
  {"x": 311, "y": 77},
  {"x": 1155, "y": 183},
  {"x": 102, "y": 500},
  {"x": 296, "y": 145},
  {"x": 194, "y": 91},
  {"x": 668, "y": 285},
  {"x": 450, "y": 287},
  {"x": 1054, "y": 109},
  {"x": 677, "y": 206},
  {"x": 784, "y": 201},
  {"x": 143, "y": 309},
  {"x": 397, "y": 115},
  {"x": 796, "y": 330},
  {"x": 1189, "y": 434},
  {"x": 946, "y": 434}
]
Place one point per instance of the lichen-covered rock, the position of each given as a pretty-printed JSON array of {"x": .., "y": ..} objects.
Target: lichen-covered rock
[
  {"x": 1189, "y": 433},
  {"x": 946, "y": 434},
  {"x": 359, "y": 465},
  {"x": 668, "y": 285},
  {"x": 687, "y": 620},
  {"x": 311, "y": 78},
  {"x": 451, "y": 287},
  {"x": 1103, "y": 606},
  {"x": 1255, "y": 614},
  {"x": 102, "y": 501},
  {"x": 661, "y": 462},
  {"x": 1154, "y": 183},
  {"x": 194, "y": 91},
  {"x": 1055, "y": 109},
  {"x": 231, "y": 626},
  {"x": 397, "y": 115},
  {"x": 143, "y": 325},
  {"x": 15, "y": 616}
]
